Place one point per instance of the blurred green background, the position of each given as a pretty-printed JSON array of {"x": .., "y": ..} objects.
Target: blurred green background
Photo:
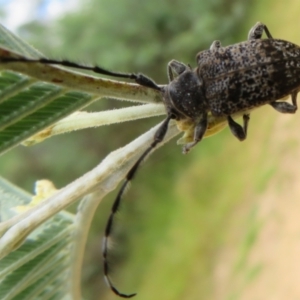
[{"x": 189, "y": 224}]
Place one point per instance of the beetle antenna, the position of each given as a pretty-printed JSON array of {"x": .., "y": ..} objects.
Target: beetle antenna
[
  {"x": 139, "y": 78},
  {"x": 158, "y": 138}
]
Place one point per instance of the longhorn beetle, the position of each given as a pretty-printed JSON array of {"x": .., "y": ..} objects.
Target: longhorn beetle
[{"x": 231, "y": 79}]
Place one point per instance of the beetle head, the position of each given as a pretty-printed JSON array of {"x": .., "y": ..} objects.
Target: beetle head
[{"x": 184, "y": 96}]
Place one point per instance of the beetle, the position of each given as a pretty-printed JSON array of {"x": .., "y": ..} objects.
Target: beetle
[{"x": 227, "y": 80}]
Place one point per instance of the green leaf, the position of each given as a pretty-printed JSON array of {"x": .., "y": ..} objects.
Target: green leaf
[
  {"x": 39, "y": 267},
  {"x": 28, "y": 105}
]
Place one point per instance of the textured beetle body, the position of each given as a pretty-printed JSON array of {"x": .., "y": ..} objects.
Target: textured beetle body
[
  {"x": 249, "y": 74},
  {"x": 230, "y": 80}
]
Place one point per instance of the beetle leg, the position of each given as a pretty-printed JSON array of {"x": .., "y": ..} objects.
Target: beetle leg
[
  {"x": 294, "y": 99},
  {"x": 257, "y": 31},
  {"x": 285, "y": 107},
  {"x": 215, "y": 45},
  {"x": 236, "y": 129},
  {"x": 199, "y": 131}
]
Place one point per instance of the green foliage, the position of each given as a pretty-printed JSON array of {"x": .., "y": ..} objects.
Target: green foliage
[
  {"x": 28, "y": 105},
  {"x": 39, "y": 268},
  {"x": 28, "y": 110}
]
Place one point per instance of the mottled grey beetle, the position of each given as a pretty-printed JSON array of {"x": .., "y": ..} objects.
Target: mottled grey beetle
[
  {"x": 233, "y": 79},
  {"x": 227, "y": 80}
]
